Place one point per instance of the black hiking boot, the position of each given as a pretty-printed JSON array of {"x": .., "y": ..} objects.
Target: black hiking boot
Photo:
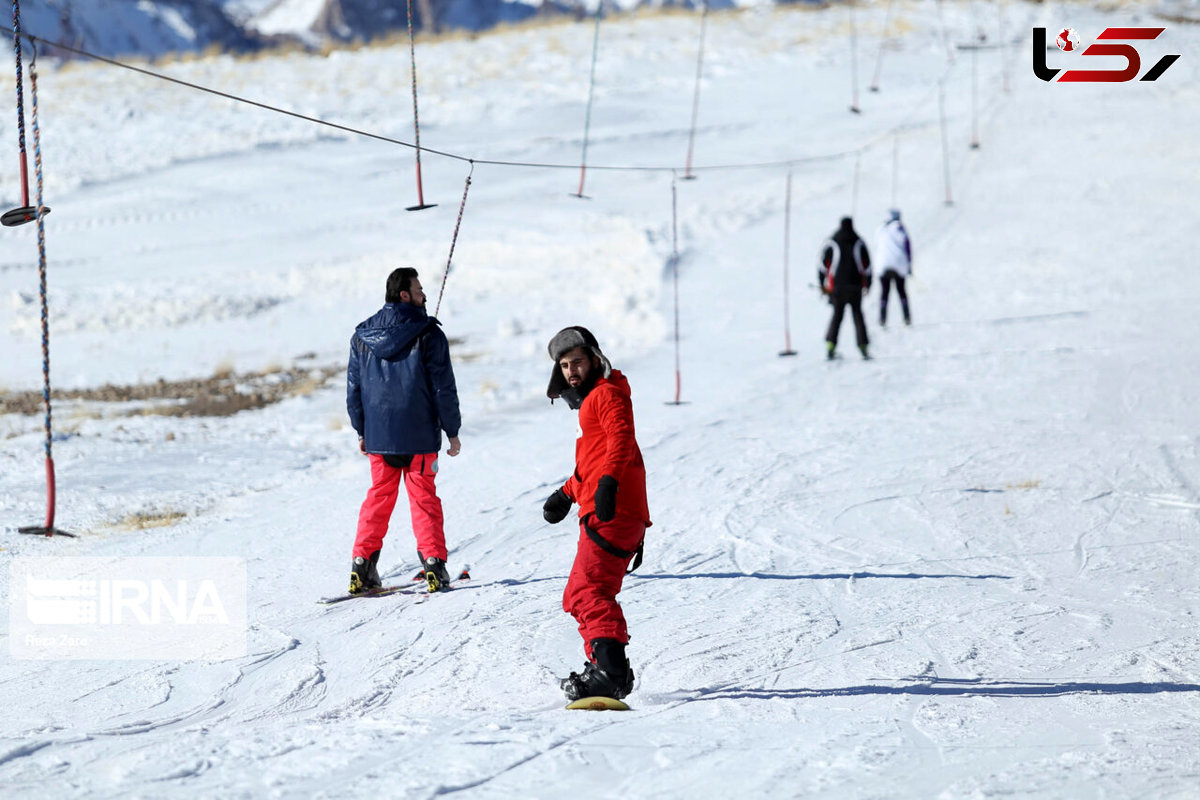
[
  {"x": 436, "y": 577},
  {"x": 607, "y": 675},
  {"x": 364, "y": 574}
]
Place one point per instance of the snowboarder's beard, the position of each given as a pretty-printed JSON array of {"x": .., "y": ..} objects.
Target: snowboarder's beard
[{"x": 575, "y": 394}]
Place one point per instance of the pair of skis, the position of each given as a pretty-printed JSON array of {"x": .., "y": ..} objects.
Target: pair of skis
[{"x": 388, "y": 591}]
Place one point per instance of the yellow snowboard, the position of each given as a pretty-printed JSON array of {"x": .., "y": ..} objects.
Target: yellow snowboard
[{"x": 597, "y": 704}]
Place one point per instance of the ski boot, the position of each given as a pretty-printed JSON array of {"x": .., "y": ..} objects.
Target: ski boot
[
  {"x": 364, "y": 574},
  {"x": 830, "y": 347},
  {"x": 862, "y": 348},
  {"x": 420, "y": 573},
  {"x": 608, "y": 674},
  {"x": 436, "y": 577}
]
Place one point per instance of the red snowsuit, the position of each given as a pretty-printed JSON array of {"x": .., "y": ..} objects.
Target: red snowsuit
[
  {"x": 605, "y": 446},
  {"x": 426, "y": 509}
]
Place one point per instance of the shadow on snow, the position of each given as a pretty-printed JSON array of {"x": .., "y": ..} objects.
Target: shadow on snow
[
  {"x": 821, "y": 576},
  {"x": 956, "y": 688}
]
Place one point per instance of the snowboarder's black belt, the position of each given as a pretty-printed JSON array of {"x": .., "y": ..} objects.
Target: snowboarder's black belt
[{"x": 612, "y": 549}]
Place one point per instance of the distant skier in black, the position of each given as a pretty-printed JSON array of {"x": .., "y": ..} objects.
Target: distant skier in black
[
  {"x": 845, "y": 276},
  {"x": 894, "y": 250}
]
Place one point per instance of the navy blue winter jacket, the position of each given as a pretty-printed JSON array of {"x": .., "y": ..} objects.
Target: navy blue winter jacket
[{"x": 400, "y": 390}]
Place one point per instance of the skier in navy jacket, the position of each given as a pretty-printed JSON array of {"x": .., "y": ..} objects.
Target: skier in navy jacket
[{"x": 401, "y": 395}]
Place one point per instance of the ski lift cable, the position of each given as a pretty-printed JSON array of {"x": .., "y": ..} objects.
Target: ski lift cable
[{"x": 779, "y": 163}]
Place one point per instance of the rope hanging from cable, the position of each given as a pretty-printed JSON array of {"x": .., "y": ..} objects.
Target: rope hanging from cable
[
  {"x": 48, "y": 528},
  {"x": 454, "y": 239}
]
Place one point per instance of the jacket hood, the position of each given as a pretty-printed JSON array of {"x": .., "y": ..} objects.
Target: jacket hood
[
  {"x": 393, "y": 329},
  {"x": 618, "y": 381}
]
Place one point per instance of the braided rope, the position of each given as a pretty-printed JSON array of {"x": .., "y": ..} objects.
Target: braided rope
[
  {"x": 454, "y": 239},
  {"x": 41, "y": 227},
  {"x": 20, "y": 101},
  {"x": 17, "y": 49}
]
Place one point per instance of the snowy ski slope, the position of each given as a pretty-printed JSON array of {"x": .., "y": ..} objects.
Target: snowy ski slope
[{"x": 965, "y": 568}]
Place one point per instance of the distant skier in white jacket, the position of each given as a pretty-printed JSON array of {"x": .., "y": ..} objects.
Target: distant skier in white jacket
[{"x": 893, "y": 253}]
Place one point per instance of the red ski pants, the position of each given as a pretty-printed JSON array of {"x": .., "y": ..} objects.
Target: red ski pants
[
  {"x": 596, "y": 577},
  {"x": 423, "y": 504}
]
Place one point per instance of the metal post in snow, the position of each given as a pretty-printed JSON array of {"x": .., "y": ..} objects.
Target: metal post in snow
[
  {"x": 687, "y": 172},
  {"x": 945, "y": 140},
  {"x": 974, "y": 98},
  {"x": 942, "y": 32},
  {"x": 787, "y": 226},
  {"x": 895, "y": 166},
  {"x": 854, "y": 190},
  {"x": 675, "y": 282},
  {"x": 587, "y": 118},
  {"x": 412, "y": 50},
  {"x": 887, "y": 23},
  {"x": 1003, "y": 47},
  {"x": 853, "y": 61}
]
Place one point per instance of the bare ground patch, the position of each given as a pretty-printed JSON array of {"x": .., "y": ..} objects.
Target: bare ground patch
[
  {"x": 142, "y": 520},
  {"x": 222, "y": 394}
]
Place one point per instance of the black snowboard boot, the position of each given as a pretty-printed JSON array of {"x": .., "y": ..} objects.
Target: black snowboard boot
[
  {"x": 607, "y": 675},
  {"x": 364, "y": 574},
  {"x": 436, "y": 577}
]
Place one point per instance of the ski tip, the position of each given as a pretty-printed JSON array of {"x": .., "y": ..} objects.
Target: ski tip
[
  {"x": 464, "y": 575},
  {"x": 597, "y": 704}
]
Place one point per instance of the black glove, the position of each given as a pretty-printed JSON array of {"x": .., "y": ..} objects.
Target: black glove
[
  {"x": 557, "y": 506},
  {"x": 606, "y": 498}
]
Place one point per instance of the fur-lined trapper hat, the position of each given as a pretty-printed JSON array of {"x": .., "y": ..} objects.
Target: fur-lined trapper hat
[{"x": 565, "y": 341}]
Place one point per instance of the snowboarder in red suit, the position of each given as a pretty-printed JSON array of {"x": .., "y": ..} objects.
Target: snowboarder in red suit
[{"x": 609, "y": 485}]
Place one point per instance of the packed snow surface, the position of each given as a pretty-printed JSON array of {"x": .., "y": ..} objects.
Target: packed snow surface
[{"x": 964, "y": 568}]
